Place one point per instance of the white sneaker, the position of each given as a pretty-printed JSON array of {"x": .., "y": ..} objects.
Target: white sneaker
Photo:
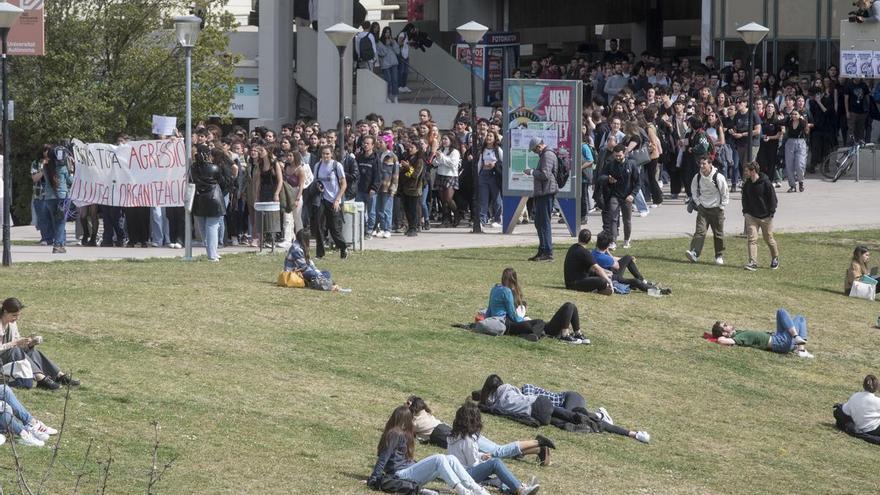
[
  {"x": 26, "y": 438},
  {"x": 2, "y": 439},
  {"x": 39, "y": 425},
  {"x": 404, "y": 89},
  {"x": 479, "y": 490},
  {"x": 529, "y": 489},
  {"x": 495, "y": 225},
  {"x": 643, "y": 436},
  {"x": 643, "y": 214},
  {"x": 798, "y": 340},
  {"x": 603, "y": 413},
  {"x": 805, "y": 354},
  {"x": 386, "y": 235},
  {"x": 627, "y": 244},
  {"x": 612, "y": 246},
  {"x": 388, "y": 100},
  {"x": 719, "y": 260},
  {"x": 654, "y": 205},
  {"x": 691, "y": 255},
  {"x": 39, "y": 435}
]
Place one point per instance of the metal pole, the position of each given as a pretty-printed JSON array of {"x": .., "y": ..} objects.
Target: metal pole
[
  {"x": 340, "y": 137},
  {"x": 7, "y": 168},
  {"x": 751, "y": 102},
  {"x": 476, "y": 228},
  {"x": 187, "y": 255}
]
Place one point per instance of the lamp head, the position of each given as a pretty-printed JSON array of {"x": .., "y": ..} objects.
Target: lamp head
[
  {"x": 752, "y": 33},
  {"x": 341, "y": 34},
  {"x": 187, "y": 29},
  {"x": 472, "y": 32}
]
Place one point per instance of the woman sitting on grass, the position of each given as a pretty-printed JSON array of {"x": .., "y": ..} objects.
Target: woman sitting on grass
[
  {"x": 857, "y": 268},
  {"x": 16, "y": 420},
  {"x": 566, "y": 410},
  {"x": 504, "y": 299},
  {"x": 396, "y": 452},
  {"x": 464, "y": 445},
  {"x": 15, "y": 348},
  {"x": 435, "y": 432},
  {"x": 298, "y": 259},
  {"x": 863, "y": 409},
  {"x": 791, "y": 334}
]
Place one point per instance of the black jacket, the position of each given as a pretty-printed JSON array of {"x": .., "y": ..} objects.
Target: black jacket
[
  {"x": 368, "y": 168},
  {"x": 627, "y": 175},
  {"x": 759, "y": 198},
  {"x": 210, "y": 187}
]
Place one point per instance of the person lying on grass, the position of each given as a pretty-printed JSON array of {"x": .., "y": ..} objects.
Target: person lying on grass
[
  {"x": 396, "y": 452},
  {"x": 16, "y": 420},
  {"x": 15, "y": 349},
  {"x": 464, "y": 445},
  {"x": 431, "y": 430},
  {"x": 566, "y": 410},
  {"x": 506, "y": 297},
  {"x": 298, "y": 259},
  {"x": 619, "y": 266},
  {"x": 791, "y": 334}
]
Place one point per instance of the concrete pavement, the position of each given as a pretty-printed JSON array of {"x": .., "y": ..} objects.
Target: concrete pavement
[{"x": 824, "y": 206}]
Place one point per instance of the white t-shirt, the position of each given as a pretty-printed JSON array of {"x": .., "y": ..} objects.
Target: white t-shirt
[{"x": 864, "y": 409}]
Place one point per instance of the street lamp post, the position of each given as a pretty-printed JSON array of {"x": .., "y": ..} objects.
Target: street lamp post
[
  {"x": 187, "y": 28},
  {"x": 752, "y": 33},
  {"x": 340, "y": 35},
  {"x": 8, "y": 15},
  {"x": 472, "y": 33}
]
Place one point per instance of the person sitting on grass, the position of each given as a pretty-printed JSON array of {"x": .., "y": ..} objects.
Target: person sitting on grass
[
  {"x": 429, "y": 429},
  {"x": 791, "y": 334},
  {"x": 619, "y": 266},
  {"x": 15, "y": 348},
  {"x": 298, "y": 259},
  {"x": 16, "y": 420},
  {"x": 506, "y": 297},
  {"x": 396, "y": 453},
  {"x": 464, "y": 445},
  {"x": 863, "y": 410},
  {"x": 566, "y": 410},
  {"x": 858, "y": 268},
  {"x": 580, "y": 270}
]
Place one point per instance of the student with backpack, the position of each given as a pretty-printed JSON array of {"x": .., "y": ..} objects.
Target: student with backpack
[
  {"x": 544, "y": 189},
  {"x": 710, "y": 197},
  {"x": 365, "y": 47}
]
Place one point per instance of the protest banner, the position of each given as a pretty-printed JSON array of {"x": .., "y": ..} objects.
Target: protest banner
[
  {"x": 163, "y": 125},
  {"x": 138, "y": 173}
]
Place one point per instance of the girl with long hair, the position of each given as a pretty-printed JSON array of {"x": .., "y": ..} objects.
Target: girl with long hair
[
  {"x": 268, "y": 181},
  {"x": 388, "y": 51},
  {"x": 464, "y": 445},
  {"x": 566, "y": 410},
  {"x": 58, "y": 181},
  {"x": 396, "y": 457},
  {"x": 506, "y": 300},
  {"x": 491, "y": 160},
  {"x": 299, "y": 259},
  {"x": 858, "y": 268},
  {"x": 771, "y": 132},
  {"x": 447, "y": 159}
]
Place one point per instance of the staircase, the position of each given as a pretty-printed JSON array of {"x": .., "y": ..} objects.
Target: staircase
[{"x": 424, "y": 91}]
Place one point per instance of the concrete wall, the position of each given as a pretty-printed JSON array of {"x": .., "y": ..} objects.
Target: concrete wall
[
  {"x": 447, "y": 72},
  {"x": 454, "y": 13},
  {"x": 371, "y": 91},
  {"x": 306, "y": 59}
]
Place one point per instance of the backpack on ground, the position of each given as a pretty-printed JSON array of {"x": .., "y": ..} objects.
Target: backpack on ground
[
  {"x": 365, "y": 49},
  {"x": 493, "y": 325}
]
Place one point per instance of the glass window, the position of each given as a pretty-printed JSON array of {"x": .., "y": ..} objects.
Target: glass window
[
  {"x": 839, "y": 9},
  {"x": 741, "y": 12},
  {"x": 797, "y": 19},
  {"x": 736, "y": 48},
  {"x": 799, "y": 55}
]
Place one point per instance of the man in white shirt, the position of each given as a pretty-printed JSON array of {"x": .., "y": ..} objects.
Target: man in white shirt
[
  {"x": 864, "y": 407},
  {"x": 710, "y": 196}
]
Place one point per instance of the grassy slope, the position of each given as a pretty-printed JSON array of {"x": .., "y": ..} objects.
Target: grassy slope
[{"x": 265, "y": 390}]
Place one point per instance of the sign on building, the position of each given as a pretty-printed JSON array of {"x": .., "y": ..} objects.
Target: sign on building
[{"x": 27, "y": 36}]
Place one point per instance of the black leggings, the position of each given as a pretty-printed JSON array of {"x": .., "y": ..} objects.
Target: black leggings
[
  {"x": 566, "y": 315},
  {"x": 588, "y": 284},
  {"x": 526, "y": 327},
  {"x": 627, "y": 263},
  {"x": 574, "y": 407}
]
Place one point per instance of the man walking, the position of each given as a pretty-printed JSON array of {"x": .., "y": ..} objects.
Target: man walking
[
  {"x": 759, "y": 206},
  {"x": 619, "y": 178},
  {"x": 710, "y": 196},
  {"x": 544, "y": 190}
]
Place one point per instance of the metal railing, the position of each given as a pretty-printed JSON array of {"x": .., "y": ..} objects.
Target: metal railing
[{"x": 447, "y": 99}]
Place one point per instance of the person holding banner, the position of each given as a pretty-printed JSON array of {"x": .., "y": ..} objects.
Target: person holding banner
[
  {"x": 544, "y": 191},
  {"x": 208, "y": 205},
  {"x": 58, "y": 180}
]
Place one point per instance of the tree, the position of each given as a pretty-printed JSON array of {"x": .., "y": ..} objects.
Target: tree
[{"x": 109, "y": 66}]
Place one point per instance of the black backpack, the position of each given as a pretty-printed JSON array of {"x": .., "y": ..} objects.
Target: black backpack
[
  {"x": 365, "y": 49},
  {"x": 562, "y": 172}
]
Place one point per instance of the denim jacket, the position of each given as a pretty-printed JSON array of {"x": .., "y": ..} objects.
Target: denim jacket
[{"x": 64, "y": 182}]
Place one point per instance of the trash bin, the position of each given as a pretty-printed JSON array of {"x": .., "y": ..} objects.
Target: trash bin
[
  {"x": 263, "y": 209},
  {"x": 353, "y": 224}
]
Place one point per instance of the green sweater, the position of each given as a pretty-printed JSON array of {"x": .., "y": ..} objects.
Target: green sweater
[{"x": 751, "y": 338}]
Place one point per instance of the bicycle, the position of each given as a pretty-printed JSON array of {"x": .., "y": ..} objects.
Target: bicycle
[{"x": 835, "y": 168}]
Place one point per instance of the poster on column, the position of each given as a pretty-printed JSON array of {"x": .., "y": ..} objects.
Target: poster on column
[
  {"x": 138, "y": 173},
  {"x": 549, "y": 110}
]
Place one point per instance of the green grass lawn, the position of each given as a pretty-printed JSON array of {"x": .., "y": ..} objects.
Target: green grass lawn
[{"x": 266, "y": 390}]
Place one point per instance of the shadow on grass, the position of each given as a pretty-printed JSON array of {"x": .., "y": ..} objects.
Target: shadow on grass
[{"x": 354, "y": 476}]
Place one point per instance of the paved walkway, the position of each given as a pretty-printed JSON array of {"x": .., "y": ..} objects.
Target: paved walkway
[{"x": 822, "y": 207}]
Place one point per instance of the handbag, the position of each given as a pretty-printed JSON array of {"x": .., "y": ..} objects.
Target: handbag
[
  {"x": 640, "y": 156},
  {"x": 292, "y": 280},
  {"x": 862, "y": 290}
]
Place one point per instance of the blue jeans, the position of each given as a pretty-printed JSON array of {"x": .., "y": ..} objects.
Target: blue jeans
[
  {"x": 384, "y": 211},
  {"x": 426, "y": 212},
  {"x": 639, "y": 201},
  {"x": 490, "y": 198},
  {"x": 782, "y": 340},
  {"x": 44, "y": 221},
  {"x": 543, "y": 206},
  {"x": 501, "y": 451},
  {"x": 57, "y": 217},
  {"x": 390, "y": 76},
  {"x": 445, "y": 467},
  {"x": 402, "y": 72},
  {"x": 482, "y": 471},
  {"x": 210, "y": 229},
  {"x": 369, "y": 202},
  {"x": 158, "y": 226},
  {"x": 15, "y": 416}
]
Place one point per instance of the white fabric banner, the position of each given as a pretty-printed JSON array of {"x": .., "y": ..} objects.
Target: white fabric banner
[{"x": 138, "y": 173}]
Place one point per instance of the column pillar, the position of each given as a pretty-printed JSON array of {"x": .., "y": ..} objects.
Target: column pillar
[
  {"x": 331, "y": 12},
  {"x": 275, "y": 72}
]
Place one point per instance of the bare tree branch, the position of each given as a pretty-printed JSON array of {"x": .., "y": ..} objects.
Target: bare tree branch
[
  {"x": 82, "y": 469},
  {"x": 102, "y": 486},
  {"x": 155, "y": 473},
  {"x": 57, "y": 440}
]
